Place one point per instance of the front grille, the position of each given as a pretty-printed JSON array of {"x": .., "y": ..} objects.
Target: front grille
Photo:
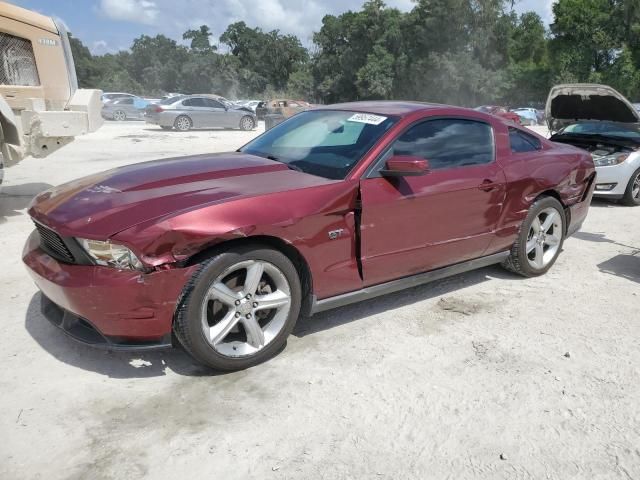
[
  {"x": 53, "y": 244},
  {"x": 17, "y": 63}
]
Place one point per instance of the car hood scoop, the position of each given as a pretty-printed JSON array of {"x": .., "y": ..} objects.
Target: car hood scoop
[
  {"x": 572, "y": 103},
  {"x": 101, "y": 205}
]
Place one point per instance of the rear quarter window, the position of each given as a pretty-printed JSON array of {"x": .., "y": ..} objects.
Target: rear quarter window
[{"x": 522, "y": 142}]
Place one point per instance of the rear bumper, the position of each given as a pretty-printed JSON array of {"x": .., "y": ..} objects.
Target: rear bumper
[{"x": 122, "y": 306}]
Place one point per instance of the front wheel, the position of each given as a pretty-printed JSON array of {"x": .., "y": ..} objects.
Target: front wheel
[
  {"x": 539, "y": 240},
  {"x": 239, "y": 308},
  {"x": 247, "y": 123},
  {"x": 632, "y": 193}
]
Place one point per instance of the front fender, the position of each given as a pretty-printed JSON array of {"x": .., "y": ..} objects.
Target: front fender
[{"x": 301, "y": 218}]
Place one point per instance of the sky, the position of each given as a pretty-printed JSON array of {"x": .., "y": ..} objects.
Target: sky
[{"x": 111, "y": 25}]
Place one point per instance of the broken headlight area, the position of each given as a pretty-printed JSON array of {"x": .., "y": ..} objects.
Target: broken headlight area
[{"x": 110, "y": 254}]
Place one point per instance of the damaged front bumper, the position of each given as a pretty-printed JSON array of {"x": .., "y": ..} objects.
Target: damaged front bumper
[{"x": 104, "y": 306}]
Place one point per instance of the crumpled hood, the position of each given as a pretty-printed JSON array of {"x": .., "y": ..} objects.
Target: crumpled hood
[
  {"x": 571, "y": 103},
  {"x": 101, "y": 205}
]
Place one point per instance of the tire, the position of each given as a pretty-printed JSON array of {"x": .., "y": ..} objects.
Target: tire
[
  {"x": 247, "y": 123},
  {"x": 546, "y": 241},
  {"x": 119, "y": 116},
  {"x": 632, "y": 193},
  {"x": 219, "y": 326},
  {"x": 1, "y": 168},
  {"x": 183, "y": 123}
]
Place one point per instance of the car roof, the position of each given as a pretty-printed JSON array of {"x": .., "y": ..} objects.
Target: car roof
[{"x": 397, "y": 108}]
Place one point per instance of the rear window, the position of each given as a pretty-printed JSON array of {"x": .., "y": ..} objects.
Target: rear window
[
  {"x": 17, "y": 62},
  {"x": 522, "y": 142}
]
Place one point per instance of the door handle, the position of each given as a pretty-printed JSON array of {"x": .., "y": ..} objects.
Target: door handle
[{"x": 488, "y": 185}]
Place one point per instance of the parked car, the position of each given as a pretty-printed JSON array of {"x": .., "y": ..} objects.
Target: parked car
[
  {"x": 199, "y": 111},
  {"x": 252, "y": 105},
  {"x": 287, "y": 108},
  {"x": 502, "y": 112},
  {"x": 125, "y": 108},
  {"x": 109, "y": 96},
  {"x": 333, "y": 206},
  {"x": 603, "y": 122},
  {"x": 528, "y": 116}
]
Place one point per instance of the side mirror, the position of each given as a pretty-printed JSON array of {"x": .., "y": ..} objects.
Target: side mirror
[{"x": 405, "y": 166}]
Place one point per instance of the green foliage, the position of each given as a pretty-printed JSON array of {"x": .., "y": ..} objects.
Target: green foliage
[{"x": 465, "y": 52}]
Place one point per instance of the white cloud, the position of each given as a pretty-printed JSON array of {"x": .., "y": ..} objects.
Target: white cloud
[
  {"x": 136, "y": 11},
  {"x": 99, "y": 47},
  {"x": 300, "y": 18}
]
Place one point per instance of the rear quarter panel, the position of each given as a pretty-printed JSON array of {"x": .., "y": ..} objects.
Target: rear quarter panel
[{"x": 560, "y": 170}]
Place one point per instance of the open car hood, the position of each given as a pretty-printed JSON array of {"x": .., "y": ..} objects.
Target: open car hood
[{"x": 571, "y": 103}]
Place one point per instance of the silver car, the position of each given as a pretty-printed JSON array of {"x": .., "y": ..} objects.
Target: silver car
[
  {"x": 125, "y": 108},
  {"x": 199, "y": 111},
  {"x": 599, "y": 119}
]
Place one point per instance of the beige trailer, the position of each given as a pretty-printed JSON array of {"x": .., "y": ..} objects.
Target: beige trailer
[{"x": 41, "y": 107}]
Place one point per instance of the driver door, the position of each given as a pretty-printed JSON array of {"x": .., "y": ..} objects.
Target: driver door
[{"x": 414, "y": 224}]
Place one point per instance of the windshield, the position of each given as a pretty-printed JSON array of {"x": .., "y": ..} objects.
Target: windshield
[
  {"x": 322, "y": 142},
  {"x": 609, "y": 129}
]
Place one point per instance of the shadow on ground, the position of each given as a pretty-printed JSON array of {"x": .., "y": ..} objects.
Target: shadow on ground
[
  {"x": 375, "y": 306},
  {"x": 14, "y": 198},
  {"x": 623, "y": 266},
  {"x": 153, "y": 364}
]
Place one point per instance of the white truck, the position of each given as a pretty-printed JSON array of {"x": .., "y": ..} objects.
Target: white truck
[{"x": 41, "y": 106}]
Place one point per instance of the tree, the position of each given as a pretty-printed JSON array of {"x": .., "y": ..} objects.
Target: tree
[{"x": 200, "y": 40}]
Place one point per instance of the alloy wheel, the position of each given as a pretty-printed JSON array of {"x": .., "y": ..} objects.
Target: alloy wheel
[
  {"x": 635, "y": 188},
  {"x": 245, "y": 308},
  {"x": 119, "y": 115},
  {"x": 183, "y": 124},
  {"x": 545, "y": 236},
  {"x": 246, "y": 123}
]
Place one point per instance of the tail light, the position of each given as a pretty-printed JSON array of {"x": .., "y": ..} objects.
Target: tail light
[{"x": 158, "y": 109}]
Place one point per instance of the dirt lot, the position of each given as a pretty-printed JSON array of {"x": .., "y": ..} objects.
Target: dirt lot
[{"x": 484, "y": 375}]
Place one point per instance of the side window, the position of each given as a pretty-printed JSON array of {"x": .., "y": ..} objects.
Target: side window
[
  {"x": 126, "y": 101},
  {"x": 448, "y": 143},
  {"x": 194, "y": 102},
  {"x": 213, "y": 103},
  {"x": 17, "y": 62},
  {"x": 523, "y": 142}
]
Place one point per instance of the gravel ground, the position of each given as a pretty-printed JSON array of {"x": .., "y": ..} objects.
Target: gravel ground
[{"x": 483, "y": 375}]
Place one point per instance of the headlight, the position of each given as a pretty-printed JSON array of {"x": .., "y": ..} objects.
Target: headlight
[
  {"x": 111, "y": 255},
  {"x": 610, "y": 160}
]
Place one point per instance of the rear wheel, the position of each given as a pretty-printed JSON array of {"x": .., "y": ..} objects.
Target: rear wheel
[
  {"x": 183, "y": 123},
  {"x": 119, "y": 116},
  {"x": 239, "y": 308},
  {"x": 632, "y": 193},
  {"x": 247, "y": 123},
  {"x": 540, "y": 239}
]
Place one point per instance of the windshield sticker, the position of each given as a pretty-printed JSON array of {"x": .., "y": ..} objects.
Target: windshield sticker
[{"x": 367, "y": 118}]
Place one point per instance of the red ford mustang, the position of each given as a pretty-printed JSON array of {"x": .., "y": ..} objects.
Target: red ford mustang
[{"x": 336, "y": 205}]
